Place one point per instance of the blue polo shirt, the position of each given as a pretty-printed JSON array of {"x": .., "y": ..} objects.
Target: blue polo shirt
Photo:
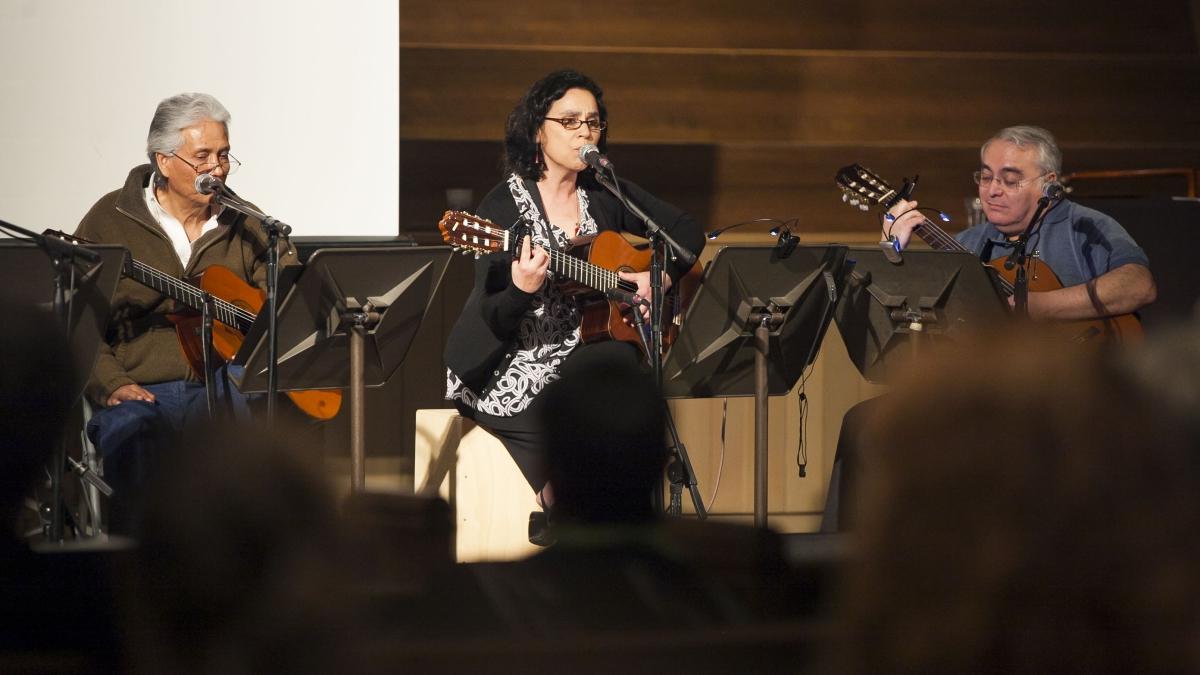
[{"x": 1078, "y": 243}]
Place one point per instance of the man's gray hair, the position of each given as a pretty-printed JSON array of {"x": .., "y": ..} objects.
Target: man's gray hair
[
  {"x": 1049, "y": 157},
  {"x": 175, "y": 114}
]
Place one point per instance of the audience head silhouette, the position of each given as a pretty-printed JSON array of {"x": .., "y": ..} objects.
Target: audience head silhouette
[
  {"x": 1042, "y": 520},
  {"x": 605, "y": 446}
]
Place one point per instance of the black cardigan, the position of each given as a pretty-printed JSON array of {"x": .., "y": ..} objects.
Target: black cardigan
[{"x": 478, "y": 343}]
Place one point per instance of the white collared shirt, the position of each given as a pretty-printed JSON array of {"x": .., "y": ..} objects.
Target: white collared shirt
[{"x": 174, "y": 228}]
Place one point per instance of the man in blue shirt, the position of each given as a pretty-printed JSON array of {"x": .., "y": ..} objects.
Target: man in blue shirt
[{"x": 1101, "y": 267}]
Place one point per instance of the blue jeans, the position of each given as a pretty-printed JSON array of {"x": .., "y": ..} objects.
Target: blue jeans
[{"x": 131, "y": 436}]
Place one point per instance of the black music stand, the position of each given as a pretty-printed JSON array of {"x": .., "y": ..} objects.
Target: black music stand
[
  {"x": 888, "y": 309},
  {"x": 347, "y": 322},
  {"x": 755, "y": 325},
  {"x": 28, "y": 277}
]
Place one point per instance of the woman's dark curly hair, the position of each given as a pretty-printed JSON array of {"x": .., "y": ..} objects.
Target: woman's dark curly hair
[{"x": 521, "y": 152}]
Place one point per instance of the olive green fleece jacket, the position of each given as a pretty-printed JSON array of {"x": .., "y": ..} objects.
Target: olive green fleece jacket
[{"x": 140, "y": 345}]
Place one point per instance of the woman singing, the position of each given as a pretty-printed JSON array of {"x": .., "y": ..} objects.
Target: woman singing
[{"x": 517, "y": 330}]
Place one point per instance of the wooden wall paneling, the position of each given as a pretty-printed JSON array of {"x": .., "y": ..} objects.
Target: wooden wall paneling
[
  {"x": 732, "y": 182},
  {"x": 738, "y": 111},
  {"x": 924, "y": 25},
  {"x": 718, "y": 98}
]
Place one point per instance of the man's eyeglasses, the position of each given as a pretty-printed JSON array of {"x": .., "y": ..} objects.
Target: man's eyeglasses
[
  {"x": 224, "y": 160},
  {"x": 985, "y": 178},
  {"x": 573, "y": 123}
]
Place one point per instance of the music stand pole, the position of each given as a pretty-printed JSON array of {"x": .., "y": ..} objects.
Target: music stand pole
[
  {"x": 358, "y": 445},
  {"x": 761, "y": 346}
]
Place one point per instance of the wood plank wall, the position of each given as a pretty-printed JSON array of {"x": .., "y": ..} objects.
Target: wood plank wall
[
  {"x": 739, "y": 110},
  {"x": 750, "y": 108}
]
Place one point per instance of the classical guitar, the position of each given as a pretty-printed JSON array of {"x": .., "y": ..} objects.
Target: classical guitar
[
  {"x": 861, "y": 187},
  {"x": 235, "y": 305},
  {"x": 587, "y": 270}
]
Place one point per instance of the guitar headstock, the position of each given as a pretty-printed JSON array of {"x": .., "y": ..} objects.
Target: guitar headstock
[
  {"x": 862, "y": 188},
  {"x": 472, "y": 234}
]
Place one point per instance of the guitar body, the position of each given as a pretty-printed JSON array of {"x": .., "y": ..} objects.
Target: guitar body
[
  {"x": 600, "y": 318},
  {"x": 1039, "y": 277},
  {"x": 586, "y": 271},
  {"x": 223, "y": 283}
]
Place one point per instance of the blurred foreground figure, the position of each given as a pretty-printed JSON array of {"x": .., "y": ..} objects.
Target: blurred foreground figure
[
  {"x": 1037, "y": 518},
  {"x": 241, "y": 565},
  {"x": 37, "y": 386}
]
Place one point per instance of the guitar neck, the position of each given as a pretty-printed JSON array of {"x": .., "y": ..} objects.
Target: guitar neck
[
  {"x": 942, "y": 241},
  {"x": 937, "y": 237},
  {"x": 584, "y": 272},
  {"x": 189, "y": 295}
]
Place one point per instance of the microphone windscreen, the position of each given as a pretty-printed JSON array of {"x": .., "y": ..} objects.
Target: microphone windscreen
[{"x": 206, "y": 183}]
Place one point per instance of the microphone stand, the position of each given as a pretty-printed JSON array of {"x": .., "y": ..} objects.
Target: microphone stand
[
  {"x": 206, "y": 339},
  {"x": 274, "y": 229},
  {"x": 1019, "y": 258},
  {"x": 679, "y": 472}
]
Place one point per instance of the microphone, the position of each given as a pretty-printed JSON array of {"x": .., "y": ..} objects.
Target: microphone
[
  {"x": 592, "y": 156},
  {"x": 206, "y": 184},
  {"x": 1053, "y": 190}
]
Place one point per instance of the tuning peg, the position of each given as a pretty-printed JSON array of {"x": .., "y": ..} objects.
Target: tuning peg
[
  {"x": 845, "y": 196},
  {"x": 862, "y": 207}
]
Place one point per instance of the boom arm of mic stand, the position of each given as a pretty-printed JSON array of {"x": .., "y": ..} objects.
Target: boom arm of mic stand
[
  {"x": 1018, "y": 258},
  {"x": 677, "y": 251},
  {"x": 236, "y": 203}
]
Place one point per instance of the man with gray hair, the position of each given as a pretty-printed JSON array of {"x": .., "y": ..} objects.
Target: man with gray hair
[
  {"x": 1102, "y": 269},
  {"x": 143, "y": 387}
]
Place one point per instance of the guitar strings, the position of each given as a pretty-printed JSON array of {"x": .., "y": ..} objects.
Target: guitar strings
[
  {"x": 578, "y": 269},
  {"x": 226, "y": 312},
  {"x": 933, "y": 233}
]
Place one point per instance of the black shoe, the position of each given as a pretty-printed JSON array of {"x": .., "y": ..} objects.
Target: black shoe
[{"x": 540, "y": 533}]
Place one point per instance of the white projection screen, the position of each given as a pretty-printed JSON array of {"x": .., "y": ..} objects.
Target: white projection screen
[{"x": 312, "y": 87}]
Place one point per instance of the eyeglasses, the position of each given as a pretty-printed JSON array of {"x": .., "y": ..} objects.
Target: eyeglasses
[
  {"x": 224, "y": 160},
  {"x": 573, "y": 123},
  {"x": 985, "y": 179}
]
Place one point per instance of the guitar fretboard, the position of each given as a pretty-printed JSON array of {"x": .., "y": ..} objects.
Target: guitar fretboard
[
  {"x": 181, "y": 291},
  {"x": 941, "y": 240},
  {"x": 565, "y": 264}
]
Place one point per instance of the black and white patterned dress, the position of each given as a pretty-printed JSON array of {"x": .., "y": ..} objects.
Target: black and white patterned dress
[{"x": 547, "y": 333}]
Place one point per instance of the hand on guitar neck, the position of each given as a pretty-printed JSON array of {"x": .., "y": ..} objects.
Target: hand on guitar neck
[
  {"x": 529, "y": 266},
  {"x": 900, "y": 220}
]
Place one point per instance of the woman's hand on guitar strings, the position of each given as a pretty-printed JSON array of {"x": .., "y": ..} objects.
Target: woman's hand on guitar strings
[
  {"x": 642, "y": 279},
  {"x": 529, "y": 268}
]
